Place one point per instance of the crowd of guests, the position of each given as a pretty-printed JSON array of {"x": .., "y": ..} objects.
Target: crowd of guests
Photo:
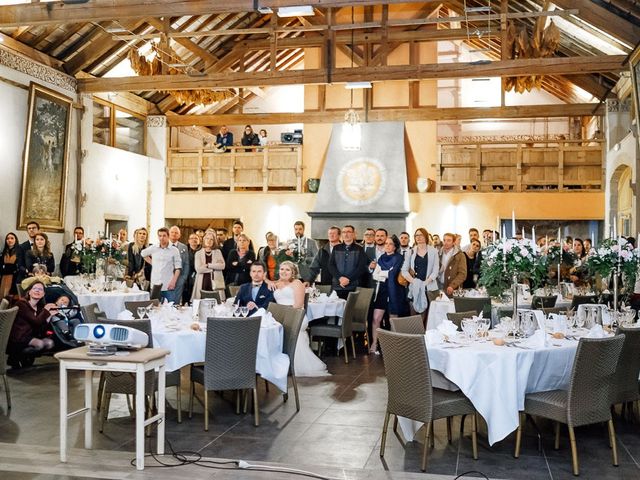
[{"x": 406, "y": 273}]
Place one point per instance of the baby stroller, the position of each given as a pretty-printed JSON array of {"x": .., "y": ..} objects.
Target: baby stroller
[{"x": 66, "y": 320}]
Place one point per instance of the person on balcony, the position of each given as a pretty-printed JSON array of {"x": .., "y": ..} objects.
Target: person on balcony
[
  {"x": 250, "y": 138},
  {"x": 224, "y": 139}
]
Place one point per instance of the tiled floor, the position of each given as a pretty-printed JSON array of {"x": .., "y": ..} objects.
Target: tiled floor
[{"x": 339, "y": 425}]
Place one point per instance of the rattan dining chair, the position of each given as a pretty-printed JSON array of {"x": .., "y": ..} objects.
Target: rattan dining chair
[
  {"x": 412, "y": 325},
  {"x": 233, "y": 290},
  {"x": 410, "y": 391},
  {"x": 538, "y": 302},
  {"x": 588, "y": 399},
  {"x": 626, "y": 380},
  {"x": 457, "y": 317},
  {"x": 343, "y": 331},
  {"x": 6, "y": 322},
  {"x": 155, "y": 293},
  {"x": 92, "y": 314},
  {"x": 215, "y": 294},
  {"x": 360, "y": 322},
  {"x": 582, "y": 299},
  {"x": 133, "y": 306},
  {"x": 291, "y": 320},
  {"x": 229, "y": 362},
  {"x": 4, "y": 304},
  {"x": 477, "y": 304},
  {"x": 324, "y": 289},
  {"x": 125, "y": 383}
]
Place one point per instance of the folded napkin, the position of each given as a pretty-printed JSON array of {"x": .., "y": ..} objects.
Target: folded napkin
[
  {"x": 135, "y": 287},
  {"x": 125, "y": 315},
  {"x": 443, "y": 298},
  {"x": 434, "y": 337},
  {"x": 333, "y": 296},
  {"x": 537, "y": 340},
  {"x": 447, "y": 328},
  {"x": 195, "y": 305},
  {"x": 267, "y": 319},
  {"x": 596, "y": 332},
  {"x": 322, "y": 298}
]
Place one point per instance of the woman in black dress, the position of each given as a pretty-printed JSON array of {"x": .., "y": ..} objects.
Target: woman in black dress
[
  {"x": 239, "y": 262},
  {"x": 40, "y": 254}
]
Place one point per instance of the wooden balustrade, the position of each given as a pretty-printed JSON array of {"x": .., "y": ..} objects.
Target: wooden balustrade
[
  {"x": 554, "y": 165},
  {"x": 270, "y": 168}
]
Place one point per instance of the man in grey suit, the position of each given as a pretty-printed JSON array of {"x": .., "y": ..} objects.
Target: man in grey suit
[{"x": 174, "y": 239}]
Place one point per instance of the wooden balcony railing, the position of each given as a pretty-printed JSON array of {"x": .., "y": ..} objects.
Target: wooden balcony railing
[
  {"x": 555, "y": 165},
  {"x": 270, "y": 168}
]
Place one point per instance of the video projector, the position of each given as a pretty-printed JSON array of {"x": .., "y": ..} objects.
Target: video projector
[{"x": 106, "y": 339}]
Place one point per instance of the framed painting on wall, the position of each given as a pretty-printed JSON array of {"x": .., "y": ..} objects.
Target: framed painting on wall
[
  {"x": 45, "y": 161},
  {"x": 634, "y": 63}
]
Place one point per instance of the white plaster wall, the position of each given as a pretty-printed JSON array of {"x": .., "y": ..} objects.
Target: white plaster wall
[
  {"x": 13, "y": 125},
  {"x": 627, "y": 154}
]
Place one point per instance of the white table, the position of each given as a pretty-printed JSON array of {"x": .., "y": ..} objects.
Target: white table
[
  {"x": 136, "y": 362},
  {"x": 188, "y": 346},
  {"x": 112, "y": 303},
  {"x": 330, "y": 308},
  {"x": 496, "y": 378}
]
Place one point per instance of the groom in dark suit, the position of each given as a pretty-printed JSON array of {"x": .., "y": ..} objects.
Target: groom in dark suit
[{"x": 256, "y": 294}]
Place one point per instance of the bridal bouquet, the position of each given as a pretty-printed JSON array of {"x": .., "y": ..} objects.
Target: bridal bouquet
[{"x": 506, "y": 258}]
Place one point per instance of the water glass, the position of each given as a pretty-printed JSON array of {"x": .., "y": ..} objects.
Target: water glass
[
  {"x": 244, "y": 311},
  {"x": 142, "y": 311},
  {"x": 236, "y": 310},
  {"x": 470, "y": 328},
  {"x": 580, "y": 320}
]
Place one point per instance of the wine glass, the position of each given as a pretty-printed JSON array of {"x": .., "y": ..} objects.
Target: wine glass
[
  {"x": 236, "y": 310},
  {"x": 142, "y": 311},
  {"x": 470, "y": 328},
  {"x": 580, "y": 319},
  {"x": 244, "y": 311}
]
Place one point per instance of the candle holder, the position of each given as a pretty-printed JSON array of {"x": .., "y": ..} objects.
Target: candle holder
[{"x": 514, "y": 296}]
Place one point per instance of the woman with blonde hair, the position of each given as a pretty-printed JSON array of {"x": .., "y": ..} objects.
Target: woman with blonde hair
[
  {"x": 239, "y": 262},
  {"x": 137, "y": 268},
  {"x": 209, "y": 265},
  {"x": 290, "y": 291}
]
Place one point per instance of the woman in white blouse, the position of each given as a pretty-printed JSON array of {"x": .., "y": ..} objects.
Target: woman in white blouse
[
  {"x": 420, "y": 268},
  {"x": 209, "y": 265}
]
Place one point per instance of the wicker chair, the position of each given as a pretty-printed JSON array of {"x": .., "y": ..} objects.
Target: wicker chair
[
  {"x": 412, "y": 325},
  {"x": 215, "y": 294},
  {"x": 324, "y": 289},
  {"x": 410, "y": 392},
  {"x": 477, "y": 304},
  {"x": 155, "y": 292},
  {"x": 582, "y": 299},
  {"x": 588, "y": 399},
  {"x": 556, "y": 310},
  {"x": 361, "y": 313},
  {"x": 343, "y": 330},
  {"x": 543, "y": 302},
  {"x": 230, "y": 360},
  {"x": 4, "y": 304},
  {"x": 291, "y": 320},
  {"x": 133, "y": 306},
  {"x": 457, "y": 317},
  {"x": 233, "y": 290},
  {"x": 6, "y": 322},
  {"x": 626, "y": 379},
  {"x": 125, "y": 383},
  {"x": 92, "y": 314}
]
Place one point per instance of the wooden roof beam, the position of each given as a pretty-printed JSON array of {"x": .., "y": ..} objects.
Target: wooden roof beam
[
  {"x": 393, "y": 114},
  {"x": 99, "y": 10},
  {"x": 537, "y": 66}
]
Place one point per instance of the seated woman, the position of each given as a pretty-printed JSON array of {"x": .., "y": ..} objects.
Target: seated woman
[
  {"x": 11, "y": 259},
  {"x": 209, "y": 265},
  {"x": 389, "y": 295},
  {"x": 290, "y": 291},
  {"x": 29, "y": 331},
  {"x": 40, "y": 254},
  {"x": 239, "y": 262},
  {"x": 137, "y": 269}
]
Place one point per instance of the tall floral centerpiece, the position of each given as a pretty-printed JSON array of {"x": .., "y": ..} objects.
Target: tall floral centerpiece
[
  {"x": 614, "y": 255},
  {"x": 101, "y": 257},
  {"x": 507, "y": 260}
]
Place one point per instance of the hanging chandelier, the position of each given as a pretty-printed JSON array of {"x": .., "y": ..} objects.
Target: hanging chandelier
[{"x": 351, "y": 131}]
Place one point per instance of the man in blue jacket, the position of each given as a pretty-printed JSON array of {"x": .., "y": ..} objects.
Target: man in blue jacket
[{"x": 256, "y": 294}]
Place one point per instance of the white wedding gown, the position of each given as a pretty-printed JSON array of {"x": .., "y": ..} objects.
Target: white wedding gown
[{"x": 306, "y": 362}]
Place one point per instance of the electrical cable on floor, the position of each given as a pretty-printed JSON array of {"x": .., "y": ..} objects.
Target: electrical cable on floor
[
  {"x": 187, "y": 457},
  {"x": 470, "y": 472}
]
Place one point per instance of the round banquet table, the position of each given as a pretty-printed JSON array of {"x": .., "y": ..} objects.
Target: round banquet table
[
  {"x": 112, "y": 303},
  {"x": 188, "y": 346},
  {"x": 496, "y": 378},
  {"x": 330, "y": 308}
]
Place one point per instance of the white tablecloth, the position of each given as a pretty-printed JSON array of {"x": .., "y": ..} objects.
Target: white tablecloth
[
  {"x": 332, "y": 308},
  {"x": 188, "y": 346},
  {"x": 439, "y": 308},
  {"x": 496, "y": 379},
  {"x": 112, "y": 303}
]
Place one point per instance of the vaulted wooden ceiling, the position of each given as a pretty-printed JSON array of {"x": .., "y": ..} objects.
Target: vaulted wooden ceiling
[{"x": 238, "y": 44}]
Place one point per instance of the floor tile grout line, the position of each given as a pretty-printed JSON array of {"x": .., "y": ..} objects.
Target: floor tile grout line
[
  {"x": 216, "y": 438},
  {"x": 546, "y": 460},
  {"x": 629, "y": 452}
]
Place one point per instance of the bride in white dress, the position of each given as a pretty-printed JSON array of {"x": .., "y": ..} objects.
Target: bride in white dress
[{"x": 290, "y": 291}]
